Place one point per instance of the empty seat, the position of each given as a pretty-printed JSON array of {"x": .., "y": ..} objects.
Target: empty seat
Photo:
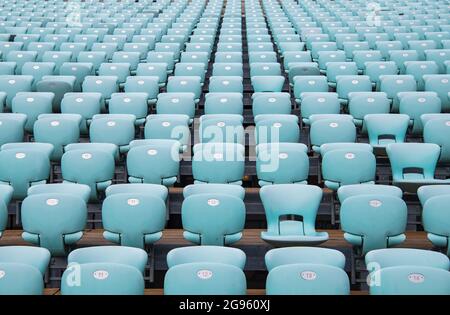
[
  {"x": 440, "y": 84},
  {"x": 331, "y": 129},
  {"x": 176, "y": 103},
  {"x": 415, "y": 104},
  {"x": 20, "y": 279},
  {"x": 11, "y": 127},
  {"x": 218, "y": 163},
  {"x": 53, "y": 221},
  {"x": 414, "y": 164},
  {"x": 221, "y": 128},
  {"x": 103, "y": 279},
  {"x": 375, "y": 69},
  {"x": 168, "y": 126},
  {"x": 32, "y": 104},
  {"x": 36, "y": 257},
  {"x": 348, "y": 191},
  {"x": 401, "y": 56},
  {"x": 271, "y": 103},
  {"x": 420, "y": 68},
  {"x": 307, "y": 279},
  {"x": 117, "y": 129},
  {"x": 435, "y": 221},
  {"x": 361, "y": 104},
  {"x": 105, "y": 85},
  {"x": 12, "y": 84},
  {"x": 154, "y": 161},
  {"x": 391, "y": 257},
  {"x": 79, "y": 190},
  {"x": 224, "y": 103},
  {"x": 228, "y": 69},
  {"x": 435, "y": 131},
  {"x": 226, "y": 84},
  {"x": 85, "y": 104},
  {"x": 282, "y": 163},
  {"x": 130, "y": 256},
  {"x": 313, "y": 103},
  {"x": 291, "y": 211},
  {"x": 276, "y": 128},
  {"x": 130, "y": 103},
  {"x": 412, "y": 280},
  {"x": 206, "y": 253},
  {"x": 185, "y": 84},
  {"x": 205, "y": 278},
  {"x": 304, "y": 84},
  {"x": 392, "y": 84},
  {"x": 213, "y": 218},
  {"x": 133, "y": 219},
  {"x": 346, "y": 84},
  {"x": 90, "y": 166},
  {"x": 79, "y": 70},
  {"x": 367, "y": 229}
]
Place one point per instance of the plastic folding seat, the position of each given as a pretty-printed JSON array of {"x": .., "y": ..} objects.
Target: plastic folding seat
[
  {"x": 58, "y": 58},
  {"x": 375, "y": 69},
  {"x": 59, "y": 85},
  {"x": 351, "y": 47},
  {"x": 347, "y": 159},
  {"x": 79, "y": 70},
  {"x": 383, "y": 129},
  {"x": 185, "y": 84},
  {"x": 91, "y": 166},
  {"x": 317, "y": 47},
  {"x": 290, "y": 46},
  {"x": 361, "y": 104},
  {"x": 38, "y": 70},
  {"x": 170, "y": 126},
  {"x": 129, "y": 256},
  {"x": 127, "y": 32},
  {"x": 346, "y": 84},
  {"x": 414, "y": 164},
  {"x": 271, "y": 103},
  {"x": 113, "y": 128},
  {"x": 392, "y": 257},
  {"x": 361, "y": 57},
  {"x": 21, "y": 279},
  {"x": 392, "y": 84},
  {"x": 25, "y": 39},
  {"x": 439, "y": 57},
  {"x": 313, "y": 103},
  {"x": 85, "y": 104},
  {"x": 12, "y": 127},
  {"x": 6, "y": 47},
  {"x": 226, "y": 84},
  {"x": 213, "y": 254},
  {"x": 198, "y": 211},
  {"x": 32, "y": 104},
  {"x": 435, "y": 131},
  {"x": 13, "y": 84},
  {"x": 412, "y": 280},
  {"x": 221, "y": 128},
  {"x": 96, "y": 58},
  {"x": 173, "y": 48},
  {"x": 74, "y": 48},
  {"x": 420, "y": 68},
  {"x": 315, "y": 38},
  {"x": 89, "y": 39},
  {"x": 335, "y": 69},
  {"x": 262, "y": 57},
  {"x": 437, "y": 37},
  {"x": 142, "y": 228},
  {"x": 36, "y": 257},
  {"x": 276, "y": 128},
  {"x": 373, "y": 38},
  {"x": 367, "y": 229},
  {"x": 404, "y": 38},
  {"x": 108, "y": 48},
  {"x": 223, "y": 279},
  {"x": 153, "y": 69},
  {"x": 7, "y": 68},
  {"x": 131, "y": 103},
  {"x": 282, "y": 163},
  {"x": 148, "y": 40},
  {"x": 78, "y": 190},
  {"x": 344, "y": 37},
  {"x": 303, "y": 201},
  {"x": 53, "y": 221},
  {"x": 176, "y": 103},
  {"x": 385, "y": 47},
  {"x": 195, "y": 57},
  {"x": 228, "y": 57},
  {"x": 329, "y": 280},
  {"x": 191, "y": 69},
  {"x": 304, "y": 255},
  {"x": 414, "y": 104},
  {"x": 132, "y": 58},
  {"x": 120, "y": 70},
  {"x": 41, "y": 48},
  {"x": 144, "y": 155},
  {"x": 324, "y": 57},
  {"x": 209, "y": 39},
  {"x": 118, "y": 39},
  {"x": 228, "y": 69},
  {"x": 435, "y": 220},
  {"x": 21, "y": 57},
  {"x": 420, "y": 46},
  {"x": 58, "y": 39},
  {"x": 265, "y": 69},
  {"x": 232, "y": 47},
  {"x": 304, "y": 84},
  {"x": 267, "y": 83},
  {"x": 103, "y": 279},
  {"x": 105, "y": 85},
  {"x": 401, "y": 56},
  {"x": 295, "y": 57},
  {"x": 441, "y": 85},
  {"x": 348, "y": 191},
  {"x": 226, "y": 159}
]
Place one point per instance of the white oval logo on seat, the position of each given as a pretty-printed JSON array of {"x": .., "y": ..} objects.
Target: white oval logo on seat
[
  {"x": 79, "y": 100},
  {"x": 98, "y": 82},
  {"x": 308, "y": 275},
  {"x": 183, "y": 82},
  {"x": 151, "y": 68},
  {"x": 100, "y": 274},
  {"x": 20, "y": 155},
  {"x": 444, "y": 81},
  {"x": 2, "y": 273},
  {"x": 416, "y": 278},
  {"x": 447, "y": 123},
  {"x": 399, "y": 81},
  {"x": 272, "y": 99},
  {"x": 113, "y": 68},
  {"x": 375, "y": 203},
  {"x": 133, "y": 202},
  {"x": 283, "y": 156},
  {"x": 349, "y": 156},
  {"x": 311, "y": 82},
  {"x": 140, "y": 82},
  {"x": 52, "y": 202},
  {"x": 421, "y": 99},
  {"x": 111, "y": 123},
  {"x": 54, "y": 123},
  {"x": 36, "y": 67},
  {"x": 86, "y": 156},
  {"x": 370, "y": 100},
  {"x": 12, "y": 81},
  {"x": 204, "y": 274},
  {"x": 213, "y": 202},
  {"x": 189, "y": 68},
  {"x": 223, "y": 100},
  {"x": 221, "y": 124},
  {"x": 175, "y": 100},
  {"x": 382, "y": 67},
  {"x": 30, "y": 99},
  {"x": 152, "y": 152},
  {"x": 334, "y": 125},
  {"x": 127, "y": 100},
  {"x": 277, "y": 125},
  {"x": 355, "y": 82},
  {"x": 165, "y": 124}
]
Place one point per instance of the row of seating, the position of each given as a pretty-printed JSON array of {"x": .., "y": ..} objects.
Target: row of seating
[
  {"x": 214, "y": 270},
  {"x": 214, "y": 214}
]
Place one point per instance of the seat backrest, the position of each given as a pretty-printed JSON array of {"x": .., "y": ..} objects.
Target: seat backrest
[
  {"x": 213, "y": 216},
  {"x": 204, "y": 278},
  {"x": 428, "y": 191},
  {"x": 435, "y": 218},
  {"x": 310, "y": 279},
  {"x": 51, "y": 217},
  {"x": 276, "y": 128},
  {"x": 348, "y": 191},
  {"x": 330, "y": 130},
  {"x": 214, "y": 254},
  {"x": 20, "y": 279},
  {"x": 102, "y": 279}
]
